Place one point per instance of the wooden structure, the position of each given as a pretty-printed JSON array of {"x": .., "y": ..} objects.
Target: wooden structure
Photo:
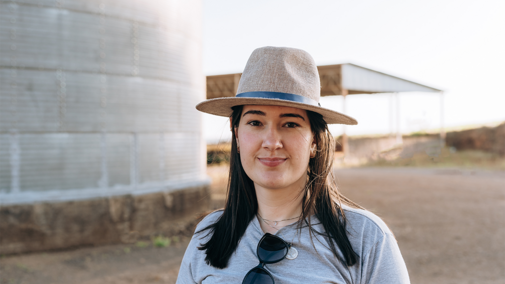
[{"x": 339, "y": 80}]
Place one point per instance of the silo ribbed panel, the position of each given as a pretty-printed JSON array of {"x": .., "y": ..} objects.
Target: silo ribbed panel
[
  {"x": 100, "y": 95},
  {"x": 5, "y": 167}
]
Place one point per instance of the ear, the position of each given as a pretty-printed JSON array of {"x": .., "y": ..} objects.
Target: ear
[{"x": 313, "y": 149}]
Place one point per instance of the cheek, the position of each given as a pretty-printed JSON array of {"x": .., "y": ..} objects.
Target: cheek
[
  {"x": 248, "y": 149},
  {"x": 248, "y": 144},
  {"x": 300, "y": 147}
]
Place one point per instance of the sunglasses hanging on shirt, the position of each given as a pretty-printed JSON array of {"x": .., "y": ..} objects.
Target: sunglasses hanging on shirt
[{"x": 271, "y": 249}]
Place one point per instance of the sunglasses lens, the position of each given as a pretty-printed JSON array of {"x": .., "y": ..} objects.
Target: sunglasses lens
[
  {"x": 258, "y": 276},
  {"x": 272, "y": 249}
]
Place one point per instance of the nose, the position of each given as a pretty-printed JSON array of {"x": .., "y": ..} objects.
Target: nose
[{"x": 272, "y": 139}]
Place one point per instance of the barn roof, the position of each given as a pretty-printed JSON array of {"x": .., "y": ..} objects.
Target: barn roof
[{"x": 337, "y": 79}]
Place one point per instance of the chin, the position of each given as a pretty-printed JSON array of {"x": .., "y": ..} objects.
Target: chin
[
  {"x": 273, "y": 183},
  {"x": 275, "y": 186},
  {"x": 271, "y": 180}
]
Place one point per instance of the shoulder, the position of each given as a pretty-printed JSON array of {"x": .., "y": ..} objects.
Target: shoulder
[
  {"x": 365, "y": 229},
  {"x": 381, "y": 259},
  {"x": 360, "y": 218},
  {"x": 194, "y": 258},
  {"x": 208, "y": 220}
]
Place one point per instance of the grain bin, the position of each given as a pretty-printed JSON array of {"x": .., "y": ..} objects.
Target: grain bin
[{"x": 99, "y": 138}]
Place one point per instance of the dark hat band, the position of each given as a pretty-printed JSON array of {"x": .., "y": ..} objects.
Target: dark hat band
[{"x": 279, "y": 96}]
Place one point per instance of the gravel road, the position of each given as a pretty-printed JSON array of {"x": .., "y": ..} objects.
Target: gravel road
[{"x": 449, "y": 223}]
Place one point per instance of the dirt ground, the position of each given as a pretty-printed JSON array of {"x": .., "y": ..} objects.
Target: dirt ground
[{"x": 449, "y": 223}]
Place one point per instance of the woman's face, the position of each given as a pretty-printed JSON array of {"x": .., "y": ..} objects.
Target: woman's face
[{"x": 275, "y": 145}]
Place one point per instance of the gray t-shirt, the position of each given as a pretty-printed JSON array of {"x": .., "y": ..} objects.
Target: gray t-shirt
[{"x": 380, "y": 258}]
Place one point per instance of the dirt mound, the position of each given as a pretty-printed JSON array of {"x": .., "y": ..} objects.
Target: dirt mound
[{"x": 484, "y": 138}]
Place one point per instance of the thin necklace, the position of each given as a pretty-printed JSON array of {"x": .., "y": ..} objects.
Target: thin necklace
[{"x": 275, "y": 222}]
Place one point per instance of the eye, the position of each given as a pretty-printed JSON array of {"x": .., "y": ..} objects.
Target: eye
[
  {"x": 291, "y": 125},
  {"x": 254, "y": 123}
]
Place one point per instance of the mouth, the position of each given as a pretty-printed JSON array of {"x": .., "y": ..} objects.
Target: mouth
[{"x": 272, "y": 162}]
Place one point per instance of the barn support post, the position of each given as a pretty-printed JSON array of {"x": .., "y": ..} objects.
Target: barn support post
[
  {"x": 345, "y": 144},
  {"x": 442, "y": 122},
  {"x": 399, "y": 139},
  {"x": 391, "y": 97}
]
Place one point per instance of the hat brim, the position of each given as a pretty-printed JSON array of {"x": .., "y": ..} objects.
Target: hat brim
[{"x": 222, "y": 107}]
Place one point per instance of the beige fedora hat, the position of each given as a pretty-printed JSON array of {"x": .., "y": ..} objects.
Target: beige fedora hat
[{"x": 279, "y": 76}]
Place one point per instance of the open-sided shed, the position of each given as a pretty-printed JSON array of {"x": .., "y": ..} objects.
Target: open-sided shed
[{"x": 340, "y": 80}]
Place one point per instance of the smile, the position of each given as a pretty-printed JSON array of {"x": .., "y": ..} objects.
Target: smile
[{"x": 272, "y": 162}]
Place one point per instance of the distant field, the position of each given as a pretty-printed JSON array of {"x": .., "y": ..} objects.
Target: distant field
[
  {"x": 468, "y": 159},
  {"x": 448, "y": 158}
]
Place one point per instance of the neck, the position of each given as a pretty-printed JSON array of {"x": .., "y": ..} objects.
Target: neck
[{"x": 277, "y": 205}]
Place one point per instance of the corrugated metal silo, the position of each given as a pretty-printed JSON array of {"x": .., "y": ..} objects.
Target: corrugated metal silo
[{"x": 97, "y": 105}]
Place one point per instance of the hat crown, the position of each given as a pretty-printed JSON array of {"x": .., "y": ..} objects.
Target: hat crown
[
  {"x": 277, "y": 76},
  {"x": 281, "y": 69}
]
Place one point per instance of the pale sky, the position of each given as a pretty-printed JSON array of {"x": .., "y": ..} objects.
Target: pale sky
[{"x": 457, "y": 46}]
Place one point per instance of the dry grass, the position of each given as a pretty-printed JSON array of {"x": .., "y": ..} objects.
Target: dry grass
[
  {"x": 468, "y": 159},
  {"x": 219, "y": 176}
]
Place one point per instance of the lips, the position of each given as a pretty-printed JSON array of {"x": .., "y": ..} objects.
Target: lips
[{"x": 272, "y": 162}]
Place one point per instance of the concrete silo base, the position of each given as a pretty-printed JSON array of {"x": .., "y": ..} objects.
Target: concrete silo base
[{"x": 49, "y": 226}]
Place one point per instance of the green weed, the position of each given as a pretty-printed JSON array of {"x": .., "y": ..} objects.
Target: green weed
[
  {"x": 161, "y": 241},
  {"x": 142, "y": 244}
]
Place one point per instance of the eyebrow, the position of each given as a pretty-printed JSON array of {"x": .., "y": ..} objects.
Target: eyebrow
[
  {"x": 258, "y": 112},
  {"x": 291, "y": 115}
]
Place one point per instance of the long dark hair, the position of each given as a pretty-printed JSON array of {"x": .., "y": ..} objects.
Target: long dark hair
[{"x": 320, "y": 197}]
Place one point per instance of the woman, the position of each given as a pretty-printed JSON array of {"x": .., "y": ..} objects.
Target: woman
[{"x": 283, "y": 209}]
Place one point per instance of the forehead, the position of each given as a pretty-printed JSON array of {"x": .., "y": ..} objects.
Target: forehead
[{"x": 275, "y": 110}]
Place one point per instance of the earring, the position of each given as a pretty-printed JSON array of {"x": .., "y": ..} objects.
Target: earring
[{"x": 238, "y": 147}]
